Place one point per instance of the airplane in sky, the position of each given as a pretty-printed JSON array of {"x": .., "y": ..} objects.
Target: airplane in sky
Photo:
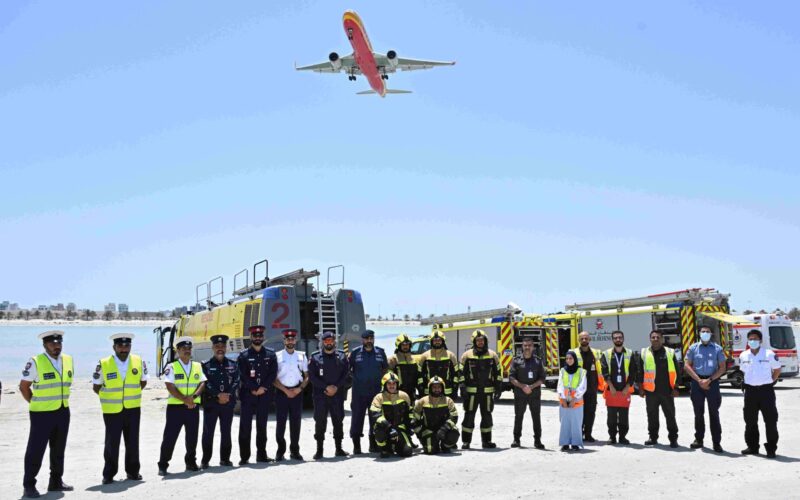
[{"x": 364, "y": 61}]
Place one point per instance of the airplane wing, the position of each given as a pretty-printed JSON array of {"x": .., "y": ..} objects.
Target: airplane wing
[
  {"x": 348, "y": 65},
  {"x": 406, "y": 64}
]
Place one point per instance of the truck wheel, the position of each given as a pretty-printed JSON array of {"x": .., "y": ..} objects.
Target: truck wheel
[{"x": 737, "y": 379}]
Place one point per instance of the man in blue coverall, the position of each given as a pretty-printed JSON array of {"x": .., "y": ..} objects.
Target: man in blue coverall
[
  {"x": 368, "y": 363},
  {"x": 327, "y": 371},
  {"x": 258, "y": 368}
]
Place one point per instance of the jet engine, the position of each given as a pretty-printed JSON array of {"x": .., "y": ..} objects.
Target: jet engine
[
  {"x": 333, "y": 57},
  {"x": 392, "y": 57}
]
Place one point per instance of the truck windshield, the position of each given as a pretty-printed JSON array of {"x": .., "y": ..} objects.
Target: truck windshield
[
  {"x": 781, "y": 337},
  {"x": 420, "y": 347}
]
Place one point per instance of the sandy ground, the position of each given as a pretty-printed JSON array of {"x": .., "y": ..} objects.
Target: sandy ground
[{"x": 605, "y": 471}]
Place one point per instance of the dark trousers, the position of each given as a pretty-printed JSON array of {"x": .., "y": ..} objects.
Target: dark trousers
[
  {"x": 699, "y": 398},
  {"x": 473, "y": 402},
  {"x": 589, "y": 410},
  {"x": 401, "y": 445},
  {"x": 258, "y": 406},
  {"x": 617, "y": 421},
  {"x": 431, "y": 444},
  {"x": 293, "y": 409},
  {"x": 667, "y": 404},
  {"x": 759, "y": 398},
  {"x": 124, "y": 424},
  {"x": 522, "y": 403},
  {"x": 212, "y": 412},
  {"x": 47, "y": 428},
  {"x": 359, "y": 404},
  {"x": 179, "y": 416},
  {"x": 324, "y": 406}
]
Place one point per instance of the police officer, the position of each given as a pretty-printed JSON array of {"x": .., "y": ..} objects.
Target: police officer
[
  {"x": 527, "y": 376},
  {"x": 119, "y": 380},
  {"x": 483, "y": 377},
  {"x": 436, "y": 417},
  {"x": 390, "y": 416},
  {"x": 219, "y": 400},
  {"x": 438, "y": 361},
  {"x": 258, "y": 368},
  {"x": 292, "y": 379},
  {"x": 761, "y": 370},
  {"x": 589, "y": 359},
  {"x": 367, "y": 363},
  {"x": 185, "y": 381},
  {"x": 45, "y": 384},
  {"x": 328, "y": 371},
  {"x": 705, "y": 364}
]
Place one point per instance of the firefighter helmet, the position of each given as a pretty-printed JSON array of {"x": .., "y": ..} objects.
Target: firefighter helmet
[
  {"x": 439, "y": 334},
  {"x": 390, "y": 377},
  {"x": 401, "y": 339},
  {"x": 478, "y": 333},
  {"x": 437, "y": 380}
]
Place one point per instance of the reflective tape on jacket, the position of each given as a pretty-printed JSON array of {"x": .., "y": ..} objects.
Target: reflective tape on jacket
[
  {"x": 188, "y": 384},
  {"x": 116, "y": 394},
  {"x": 649, "y": 362},
  {"x": 601, "y": 381},
  {"x": 52, "y": 390}
]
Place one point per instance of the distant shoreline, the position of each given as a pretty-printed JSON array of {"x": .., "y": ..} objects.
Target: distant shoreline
[{"x": 147, "y": 322}]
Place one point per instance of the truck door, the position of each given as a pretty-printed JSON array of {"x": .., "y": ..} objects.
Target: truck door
[
  {"x": 280, "y": 310},
  {"x": 350, "y": 315}
]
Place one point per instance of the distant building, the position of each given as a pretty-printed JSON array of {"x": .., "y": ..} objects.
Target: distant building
[
  {"x": 110, "y": 307},
  {"x": 57, "y": 307},
  {"x": 42, "y": 307},
  {"x": 5, "y": 305},
  {"x": 71, "y": 307},
  {"x": 122, "y": 308},
  {"x": 179, "y": 311},
  {"x": 13, "y": 307}
]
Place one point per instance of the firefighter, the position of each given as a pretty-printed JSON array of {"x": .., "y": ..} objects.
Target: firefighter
[
  {"x": 440, "y": 362},
  {"x": 367, "y": 365},
  {"x": 589, "y": 359},
  {"x": 219, "y": 401},
  {"x": 292, "y": 380},
  {"x": 436, "y": 417},
  {"x": 761, "y": 370},
  {"x": 619, "y": 366},
  {"x": 390, "y": 417},
  {"x": 258, "y": 368},
  {"x": 45, "y": 385},
  {"x": 402, "y": 364},
  {"x": 185, "y": 381},
  {"x": 119, "y": 380},
  {"x": 483, "y": 378},
  {"x": 328, "y": 371},
  {"x": 705, "y": 364},
  {"x": 658, "y": 376}
]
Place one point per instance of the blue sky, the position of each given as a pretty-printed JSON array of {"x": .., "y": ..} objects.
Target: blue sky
[{"x": 570, "y": 155}]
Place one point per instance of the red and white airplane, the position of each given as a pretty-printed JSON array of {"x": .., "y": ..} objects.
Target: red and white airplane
[{"x": 364, "y": 61}]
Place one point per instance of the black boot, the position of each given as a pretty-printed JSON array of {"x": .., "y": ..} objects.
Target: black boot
[
  {"x": 486, "y": 440},
  {"x": 386, "y": 452},
  {"x": 279, "y": 455},
  {"x": 356, "y": 446},
  {"x": 339, "y": 450},
  {"x": 373, "y": 446},
  {"x": 318, "y": 454}
]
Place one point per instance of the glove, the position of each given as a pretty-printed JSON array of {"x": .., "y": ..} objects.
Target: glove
[
  {"x": 394, "y": 435},
  {"x": 497, "y": 395},
  {"x": 441, "y": 433}
]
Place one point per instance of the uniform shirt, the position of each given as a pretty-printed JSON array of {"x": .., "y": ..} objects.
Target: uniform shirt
[
  {"x": 590, "y": 367},
  {"x": 706, "y": 358},
  {"x": 257, "y": 369},
  {"x": 757, "y": 368},
  {"x": 169, "y": 373},
  {"x": 526, "y": 371},
  {"x": 222, "y": 376},
  {"x": 367, "y": 368},
  {"x": 29, "y": 373},
  {"x": 328, "y": 369},
  {"x": 122, "y": 369},
  {"x": 291, "y": 367}
]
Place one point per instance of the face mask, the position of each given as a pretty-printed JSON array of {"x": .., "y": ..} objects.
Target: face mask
[
  {"x": 705, "y": 336},
  {"x": 754, "y": 344}
]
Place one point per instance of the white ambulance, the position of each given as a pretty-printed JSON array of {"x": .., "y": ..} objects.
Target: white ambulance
[{"x": 778, "y": 336}]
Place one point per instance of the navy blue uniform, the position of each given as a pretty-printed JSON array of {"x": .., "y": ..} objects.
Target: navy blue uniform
[
  {"x": 324, "y": 370},
  {"x": 256, "y": 369},
  {"x": 367, "y": 368},
  {"x": 222, "y": 377}
]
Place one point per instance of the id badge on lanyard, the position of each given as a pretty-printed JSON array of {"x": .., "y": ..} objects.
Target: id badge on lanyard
[{"x": 620, "y": 363}]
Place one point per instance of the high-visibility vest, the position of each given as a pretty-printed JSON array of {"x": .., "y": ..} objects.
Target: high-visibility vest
[
  {"x": 51, "y": 392},
  {"x": 627, "y": 363},
  {"x": 601, "y": 381},
  {"x": 186, "y": 385},
  {"x": 570, "y": 388},
  {"x": 649, "y": 362},
  {"x": 116, "y": 394}
]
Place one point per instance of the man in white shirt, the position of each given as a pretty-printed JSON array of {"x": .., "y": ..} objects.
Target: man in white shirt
[
  {"x": 119, "y": 380},
  {"x": 291, "y": 380},
  {"x": 761, "y": 369}
]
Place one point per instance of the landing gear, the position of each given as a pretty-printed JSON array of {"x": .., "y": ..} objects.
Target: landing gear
[
  {"x": 352, "y": 78},
  {"x": 385, "y": 77}
]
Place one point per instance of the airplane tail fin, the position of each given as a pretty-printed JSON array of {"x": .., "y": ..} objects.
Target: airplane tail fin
[{"x": 388, "y": 91}]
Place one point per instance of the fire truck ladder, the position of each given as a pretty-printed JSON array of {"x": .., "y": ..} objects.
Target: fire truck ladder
[
  {"x": 327, "y": 313},
  {"x": 692, "y": 296},
  {"x": 510, "y": 310}
]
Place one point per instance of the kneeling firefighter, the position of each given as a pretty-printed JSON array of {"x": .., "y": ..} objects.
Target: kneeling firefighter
[
  {"x": 436, "y": 416},
  {"x": 390, "y": 417}
]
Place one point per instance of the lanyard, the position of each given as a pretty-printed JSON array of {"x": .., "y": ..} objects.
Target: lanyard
[{"x": 620, "y": 361}]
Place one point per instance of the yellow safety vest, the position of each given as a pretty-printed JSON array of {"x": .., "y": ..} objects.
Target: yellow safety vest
[
  {"x": 649, "y": 382},
  {"x": 628, "y": 354},
  {"x": 116, "y": 394},
  {"x": 51, "y": 392},
  {"x": 601, "y": 381},
  {"x": 188, "y": 383},
  {"x": 571, "y": 388}
]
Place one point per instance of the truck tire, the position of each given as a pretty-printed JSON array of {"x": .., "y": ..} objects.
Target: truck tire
[{"x": 737, "y": 379}]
